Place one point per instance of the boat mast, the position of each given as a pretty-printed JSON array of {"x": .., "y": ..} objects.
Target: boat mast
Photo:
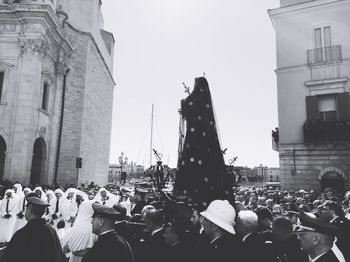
[{"x": 150, "y": 150}]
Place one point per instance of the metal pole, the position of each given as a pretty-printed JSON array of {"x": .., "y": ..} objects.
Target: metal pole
[
  {"x": 150, "y": 151},
  {"x": 77, "y": 177}
]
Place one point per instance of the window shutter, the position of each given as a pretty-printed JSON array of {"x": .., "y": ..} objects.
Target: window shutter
[
  {"x": 311, "y": 108},
  {"x": 343, "y": 106}
]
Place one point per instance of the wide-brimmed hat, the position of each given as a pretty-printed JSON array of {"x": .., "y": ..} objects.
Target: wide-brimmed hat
[
  {"x": 222, "y": 214},
  {"x": 309, "y": 223},
  {"x": 105, "y": 211},
  {"x": 35, "y": 200}
]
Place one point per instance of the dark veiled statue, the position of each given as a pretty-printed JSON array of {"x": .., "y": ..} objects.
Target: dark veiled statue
[{"x": 202, "y": 174}]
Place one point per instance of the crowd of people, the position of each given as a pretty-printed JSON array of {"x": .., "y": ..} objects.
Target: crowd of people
[{"x": 92, "y": 223}]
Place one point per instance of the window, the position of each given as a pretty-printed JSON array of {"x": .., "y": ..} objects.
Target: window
[
  {"x": 327, "y": 107},
  {"x": 323, "y": 43},
  {"x": 45, "y": 97},
  {"x": 1, "y": 83}
]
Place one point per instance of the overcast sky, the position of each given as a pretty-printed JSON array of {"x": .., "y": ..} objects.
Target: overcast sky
[{"x": 162, "y": 43}]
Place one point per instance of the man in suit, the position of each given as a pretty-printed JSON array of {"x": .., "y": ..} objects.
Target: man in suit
[
  {"x": 333, "y": 213},
  {"x": 109, "y": 246},
  {"x": 316, "y": 238},
  {"x": 246, "y": 227},
  {"x": 140, "y": 194},
  {"x": 155, "y": 245}
]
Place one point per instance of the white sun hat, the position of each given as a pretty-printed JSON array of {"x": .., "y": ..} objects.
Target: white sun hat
[{"x": 222, "y": 214}]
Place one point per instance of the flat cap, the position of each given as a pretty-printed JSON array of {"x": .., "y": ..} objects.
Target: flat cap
[
  {"x": 35, "y": 200},
  {"x": 105, "y": 211},
  {"x": 311, "y": 224}
]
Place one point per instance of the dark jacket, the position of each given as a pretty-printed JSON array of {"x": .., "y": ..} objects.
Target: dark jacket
[
  {"x": 110, "y": 247},
  {"x": 138, "y": 207},
  {"x": 37, "y": 241},
  {"x": 155, "y": 248},
  {"x": 343, "y": 236},
  {"x": 227, "y": 248},
  {"x": 182, "y": 252},
  {"x": 328, "y": 257}
]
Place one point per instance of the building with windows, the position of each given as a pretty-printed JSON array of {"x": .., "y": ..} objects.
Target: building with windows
[
  {"x": 56, "y": 91},
  {"x": 131, "y": 169},
  {"x": 313, "y": 70}
]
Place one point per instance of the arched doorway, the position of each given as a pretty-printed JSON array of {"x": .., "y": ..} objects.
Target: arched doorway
[
  {"x": 333, "y": 178},
  {"x": 2, "y": 157},
  {"x": 38, "y": 161}
]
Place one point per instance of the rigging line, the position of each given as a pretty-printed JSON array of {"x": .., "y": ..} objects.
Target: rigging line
[
  {"x": 160, "y": 138},
  {"x": 143, "y": 142},
  {"x": 216, "y": 122},
  {"x": 158, "y": 135}
]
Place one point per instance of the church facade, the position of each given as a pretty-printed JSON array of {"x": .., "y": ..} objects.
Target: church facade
[
  {"x": 56, "y": 91},
  {"x": 313, "y": 70}
]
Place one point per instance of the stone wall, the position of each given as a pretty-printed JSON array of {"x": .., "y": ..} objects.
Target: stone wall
[
  {"x": 97, "y": 119},
  {"x": 73, "y": 109},
  {"x": 88, "y": 113},
  {"x": 301, "y": 165}
]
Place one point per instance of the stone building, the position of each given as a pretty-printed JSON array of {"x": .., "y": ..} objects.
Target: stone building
[
  {"x": 131, "y": 169},
  {"x": 313, "y": 70},
  {"x": 56, "y": 91}
]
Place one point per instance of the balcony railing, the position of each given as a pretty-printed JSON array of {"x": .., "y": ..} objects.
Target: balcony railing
[
  {"x": 331, "y": 54},
  {"x": 322, "y": 131}
]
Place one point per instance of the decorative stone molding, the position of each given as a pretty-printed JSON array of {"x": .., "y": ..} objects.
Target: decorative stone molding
[
  {"x": 5, "y": 66},
  {"x": 47, "y": 76},
  {"x": 42, "y": 132},
  {"x": 331, "y": 169},
  {"x": 62, "y": 61},
  {"x": 34, "y": 28},
  {"x": 62, "y": 15},
  {"x": 6, "y": 137},
  {"x": 5, "y": 28},
  {"x": 33, "y": 47}
]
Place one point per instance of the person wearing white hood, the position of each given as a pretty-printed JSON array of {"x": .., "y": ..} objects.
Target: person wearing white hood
[
  {"x": 68, "y": 208},
  {"x": 56, "y": 215},
  {"x": 104, "y": 197},
  {"x": 17, "y": 188},
  {"x": 40, "y": 193},
  {"x": 51, "y": 199},
  {"x": 22, "y": 205},
  {"x": 8, "y": 212},
  {"x": 79, "y": 238}
]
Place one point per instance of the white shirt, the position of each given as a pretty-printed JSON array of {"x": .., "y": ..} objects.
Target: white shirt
[
  {"x": 313, "y": 260},
  {"x": 157, "y": 230},
  {"x": 337, "y": 252},
  {"x": 106, "y": 232},
  {"x": 245, "y": 237}
]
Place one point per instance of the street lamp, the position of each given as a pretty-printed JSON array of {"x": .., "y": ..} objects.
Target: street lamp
[{"x": 122, "y": 161}]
